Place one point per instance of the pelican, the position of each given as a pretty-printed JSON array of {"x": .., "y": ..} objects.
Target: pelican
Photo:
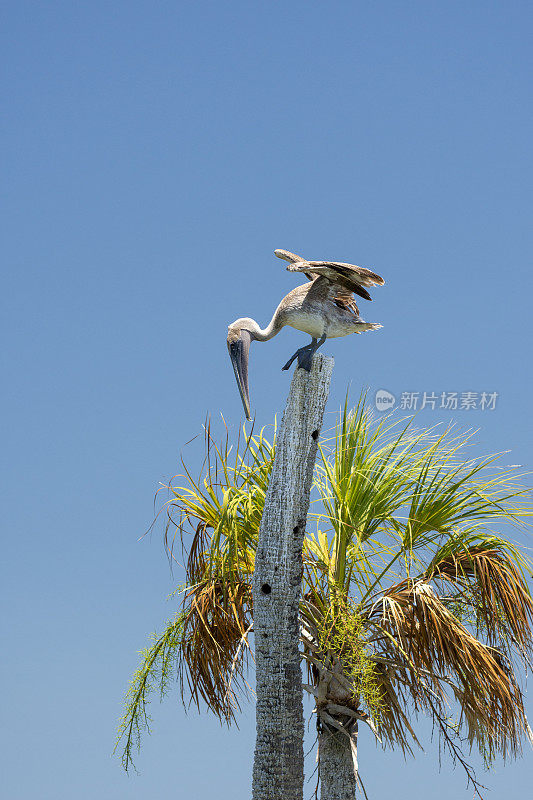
[{"x": 325, "y": 308}]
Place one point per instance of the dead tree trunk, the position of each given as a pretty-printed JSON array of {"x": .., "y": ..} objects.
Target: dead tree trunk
[{"x": 278, "y": 762}]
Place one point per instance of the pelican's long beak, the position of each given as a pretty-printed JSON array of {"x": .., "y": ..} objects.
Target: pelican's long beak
[{"x": 239, "y": 351}]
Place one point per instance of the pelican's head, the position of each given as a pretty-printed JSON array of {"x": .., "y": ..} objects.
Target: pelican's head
[{"x": 240, "y": 336}]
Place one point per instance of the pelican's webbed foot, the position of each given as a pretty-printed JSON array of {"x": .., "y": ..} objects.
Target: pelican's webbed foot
[{"x": 305, "y": 355}]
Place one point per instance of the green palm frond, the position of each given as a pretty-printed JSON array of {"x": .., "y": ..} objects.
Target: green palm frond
[{"x": 223, "y": 507}]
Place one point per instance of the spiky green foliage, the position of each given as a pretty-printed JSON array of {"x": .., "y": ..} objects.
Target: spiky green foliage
[
  {"x": 413, "y": 596},
  {"x": 156, "y": 670},
  {"x": 341, "y": 639}
]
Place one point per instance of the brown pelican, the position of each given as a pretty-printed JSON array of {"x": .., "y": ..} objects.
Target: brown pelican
[{"x": 324, "y": 308}]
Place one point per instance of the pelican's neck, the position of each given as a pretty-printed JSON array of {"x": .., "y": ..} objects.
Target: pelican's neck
[{"x": 264, "y": 334}]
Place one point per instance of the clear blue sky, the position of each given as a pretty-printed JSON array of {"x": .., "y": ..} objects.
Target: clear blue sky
[{"x": 156, "y": 153}]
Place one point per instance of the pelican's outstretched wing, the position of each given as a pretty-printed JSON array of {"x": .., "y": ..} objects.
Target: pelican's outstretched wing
[
  {"x": 292, "y": 258},
  {"x": 346, "y": 276},
  {"x": 343, "y": 298},
  {"x": 332, "y": 269}
]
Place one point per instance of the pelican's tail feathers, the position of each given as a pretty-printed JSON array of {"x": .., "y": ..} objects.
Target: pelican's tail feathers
[{"x": 362, "y": 327}]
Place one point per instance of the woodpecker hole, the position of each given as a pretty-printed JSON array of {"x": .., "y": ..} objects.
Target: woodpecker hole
[
  {"x": 266, "y": 588},
  {"x": 314, "y": 435}
]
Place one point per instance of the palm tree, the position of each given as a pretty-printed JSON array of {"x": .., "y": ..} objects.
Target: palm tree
[{"x": 413, "y": 602}]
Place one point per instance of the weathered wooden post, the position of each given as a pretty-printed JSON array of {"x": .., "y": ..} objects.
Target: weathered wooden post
[{"x": 278, "y": 762}]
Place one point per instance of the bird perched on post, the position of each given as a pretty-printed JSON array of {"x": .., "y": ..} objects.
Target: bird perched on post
[{"x": 325, "y": 308}]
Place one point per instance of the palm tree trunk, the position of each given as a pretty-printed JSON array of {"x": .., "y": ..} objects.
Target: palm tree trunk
[
  {"x": 278, "y": 762},
  {"x": 337, "y": 764}
]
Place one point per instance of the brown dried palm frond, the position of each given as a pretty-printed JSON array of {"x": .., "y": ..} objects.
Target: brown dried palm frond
[
  {"x": 214, "y": 648},
  {"x": 224, "y": 511},
  {"x": 433, "y": 649},
  {"x": 394, "y": 723},
  {"x": 489, "y": 574}
]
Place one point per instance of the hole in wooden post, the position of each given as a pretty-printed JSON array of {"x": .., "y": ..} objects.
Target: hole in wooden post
[
  {"x": 314, "y": 435},
  {"x": 266, "y": 588}
]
